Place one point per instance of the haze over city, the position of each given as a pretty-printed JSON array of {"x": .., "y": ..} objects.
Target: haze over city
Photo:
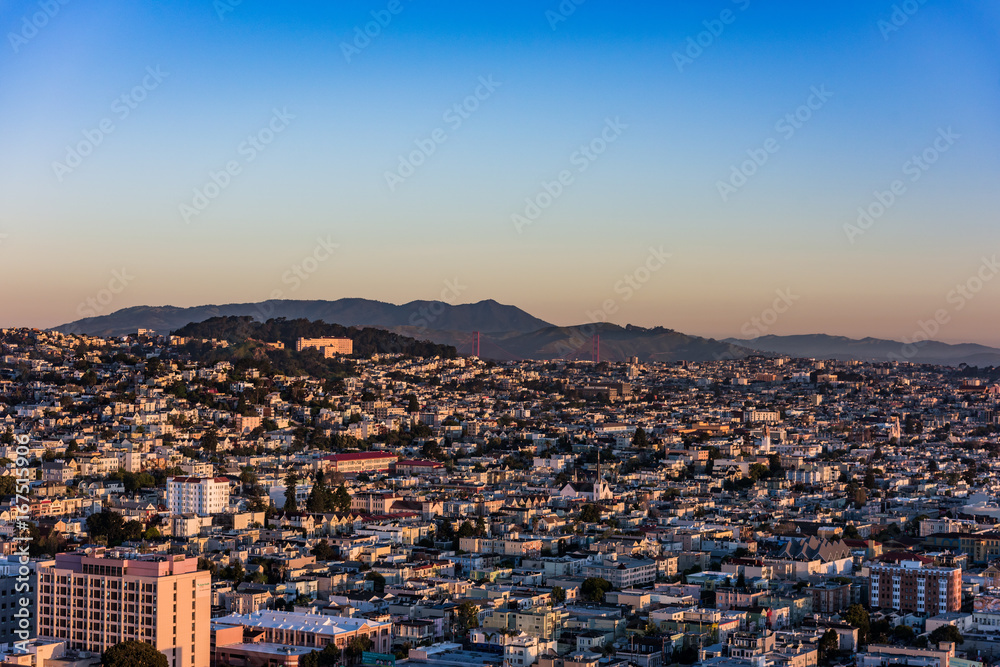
[{"x": 540, "y": 154}]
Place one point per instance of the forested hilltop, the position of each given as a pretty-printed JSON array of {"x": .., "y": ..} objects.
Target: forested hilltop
[{"x": 246, "y": 338}]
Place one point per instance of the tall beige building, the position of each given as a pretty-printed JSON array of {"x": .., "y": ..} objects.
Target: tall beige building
[
  {"x": 328, "y": 346},
  {"x": 95, "y": 600}
]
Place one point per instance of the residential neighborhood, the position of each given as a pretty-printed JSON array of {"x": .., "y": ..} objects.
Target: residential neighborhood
[{"x": 451, "y": 510}]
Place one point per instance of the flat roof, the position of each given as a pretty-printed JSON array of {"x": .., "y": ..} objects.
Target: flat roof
[
  {"x": 271, "y": 649},
  {"x": 287, "y": 620}
]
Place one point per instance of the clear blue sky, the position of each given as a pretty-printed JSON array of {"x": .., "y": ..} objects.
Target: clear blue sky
[{"x": 674, "y": 128}]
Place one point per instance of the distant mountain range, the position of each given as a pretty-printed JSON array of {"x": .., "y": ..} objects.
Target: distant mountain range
[
  {"x": 615, "y": 343},
  {"x": 508, "y": 333},
  {"x": 487, "y": 316},
  {"x": 822, "y": 346}
]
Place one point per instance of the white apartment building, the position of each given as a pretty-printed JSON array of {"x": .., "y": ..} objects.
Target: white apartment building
[
  {"x": 621, "y": 571},
  {"x": 197, "y": 495}
]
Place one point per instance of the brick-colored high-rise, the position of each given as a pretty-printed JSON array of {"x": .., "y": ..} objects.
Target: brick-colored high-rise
[
  {"x": 95, "y": 600},
  {"x": 911, "y": 586}
]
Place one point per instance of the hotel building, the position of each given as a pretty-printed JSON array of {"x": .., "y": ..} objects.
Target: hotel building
[{"x": 98, "y": 598}]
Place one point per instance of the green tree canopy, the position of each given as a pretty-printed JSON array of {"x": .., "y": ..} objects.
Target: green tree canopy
[
  {"x": 829, "y": 643},
  {"x": 291, "y": 484},
  {"x": 133, "y": 653},
  {"x": 857, "y": 616},
  {"x": 946, "y": 633},
  {"x": 591, "y": 513},
  {"x": 357, "y": 645},
  {"x": 328, "y": 657},
  {"x": 341, "y": 499},
  {"x": 466, "y": 618},
  {"x": 594, "y": 588},
  {"x": 113, "y": 528},
  {"x": 323, "y": 551}
]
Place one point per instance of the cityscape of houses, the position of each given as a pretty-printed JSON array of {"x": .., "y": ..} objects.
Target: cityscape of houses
[{"x": 451, "y": 512}]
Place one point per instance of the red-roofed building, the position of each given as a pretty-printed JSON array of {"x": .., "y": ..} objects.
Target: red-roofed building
[
  {"x": 899, "y": 556},
  {"x": 357, "y": 462},
  {"x": 417, "y": 467}
]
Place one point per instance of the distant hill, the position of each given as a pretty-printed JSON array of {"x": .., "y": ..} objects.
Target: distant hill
[
  {"x": 367, "y": 341},
  {"x": 247, "y": 348},
  {"x": 822, "y": 346},
  {"x": 576, "y": 342},
  {"x": 486, "y": 316},
  {"x": 507, "y": 333}
]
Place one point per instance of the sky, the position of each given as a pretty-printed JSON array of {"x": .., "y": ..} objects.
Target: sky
[{"x": 723, "y": 168}]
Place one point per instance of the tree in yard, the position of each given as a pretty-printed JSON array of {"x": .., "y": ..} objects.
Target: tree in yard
[
  {"x": 639, "y": 438},
  {"x": 594, "y": 588},
  {"x": 466, "y": 618},
  {"x": 132, "y": 531},
  {"x": 378, "y": 581},
  {"x": 774, "y": 465},
  {"x": 8, "y": 485},
  {"x": 355, "y": 647},
  {"x": 323, "y": 551},
  {"x": 829, "y": 643},
  {"x": 341, "y": 500},
  {"x": 857, "y": 616},
  {"x": 879, "y": 632},
  {"x": 113, "y": 528},
  {"x": 444, "y": 532},
  {"x": 319, "y": 497},
  {"x": 328, "y": 657},
  {"x": 558, "y": 594},
  {"x": 234, "y": 572},
  {"x": 210, "y": 440},
  {"x": 903, "y": 633},
  {"x": 248, "y": 477},
  {"x": 466, "y": 530},
  {"x": 291, "y": 482},
  {"x": 946, "y": 633},
  {"x": 591, "y": 513},
  {"x": 133, "y": 653}
]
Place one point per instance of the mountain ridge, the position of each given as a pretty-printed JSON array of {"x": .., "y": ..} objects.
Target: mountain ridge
[
  {"x": 869, "y": 348},
  {"x": 486, "y": 315},
  {"x": 508, "y": 333}
]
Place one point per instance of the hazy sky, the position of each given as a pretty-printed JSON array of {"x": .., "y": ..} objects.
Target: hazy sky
[{"x": 713, "y": 154}]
